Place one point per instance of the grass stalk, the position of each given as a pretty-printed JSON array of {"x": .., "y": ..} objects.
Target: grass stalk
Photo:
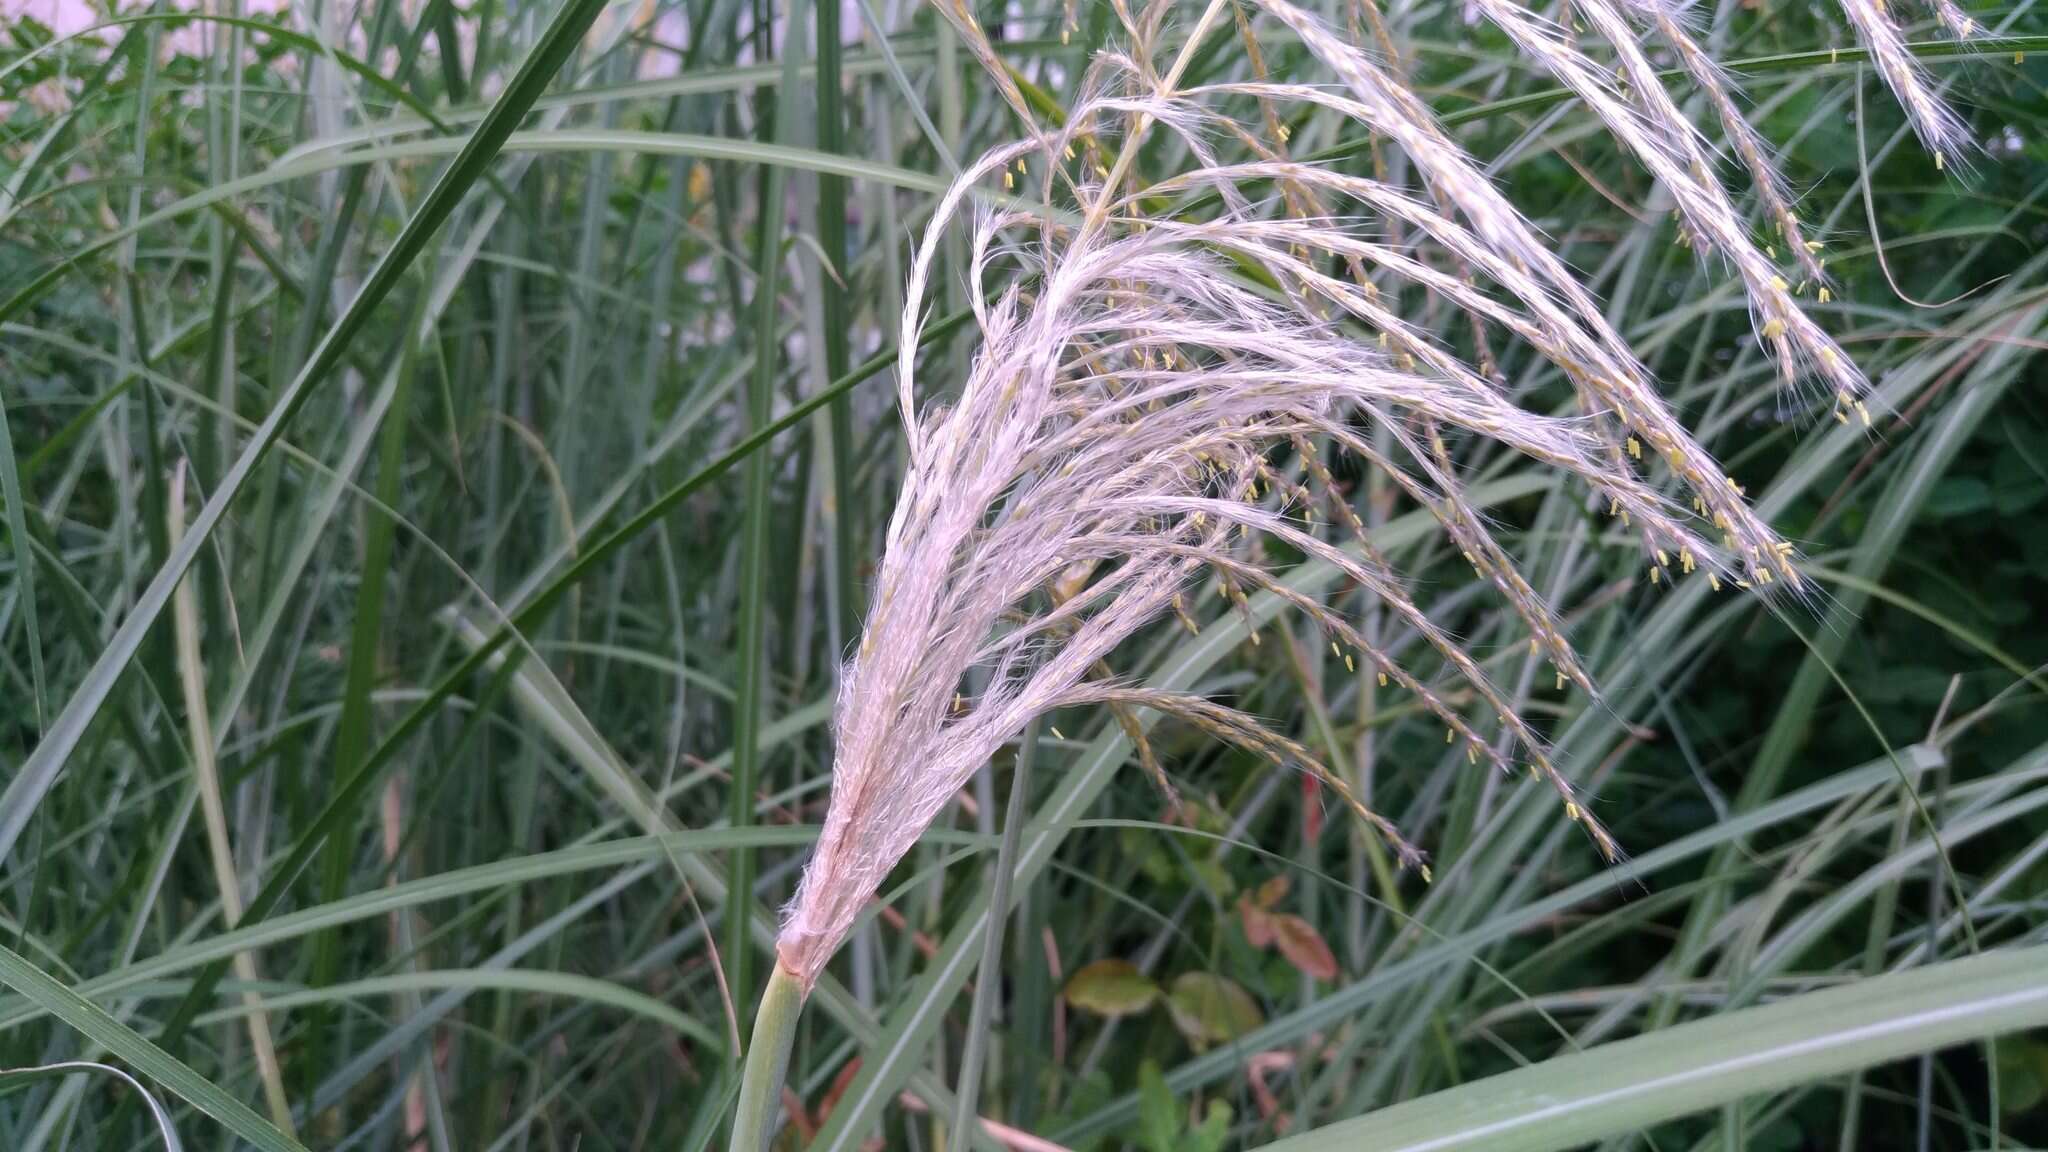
[
  {"x": 760, "y": 1098},
  {"x": 206, "y": 778}
]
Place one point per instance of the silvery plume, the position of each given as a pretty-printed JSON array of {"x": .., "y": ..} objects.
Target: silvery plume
[{"x": 1154, "y": 395}]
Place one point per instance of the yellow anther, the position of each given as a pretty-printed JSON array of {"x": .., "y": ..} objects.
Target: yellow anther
[
  {"x": 1009, "y": 181},
  {"x": 1863, "y": 412},
  {"x": 1813, "y": 245},
  {"x": 1056, "y": 733},
  {"x": 1383, "y": 679},
  {"x": 1685, "y": 559},
  {"x": 1663, "y": 557},
  {"x": 1450, "y": 734},
  {"x": 1635, "y": 448},
  {"x": 1713, "y": 582},
  {"x": 1940, "y": 162},
  {"x": 1560, "y": 680},
  {"x": 1778, "y": 282},
  {"x": 1773, "y": 328},
  {"x": 1349, "y": 666},
  {"x": 1826, "y": 296},
  {"x": 1571, "y": 812},
  {"x": 1654, "y": 571},
  {"x": 1424, "y": 870}
]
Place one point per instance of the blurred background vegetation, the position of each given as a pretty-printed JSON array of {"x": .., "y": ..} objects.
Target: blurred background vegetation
[{"x": 657, "y": 316}]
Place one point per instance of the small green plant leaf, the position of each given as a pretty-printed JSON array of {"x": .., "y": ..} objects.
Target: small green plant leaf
[
  {"x": 1209, "y": 1009},
  {"x": 1210, "y": 1135},
  {"x": 1159, "y": 1114},
  {"x": 1112, "y": 988}
]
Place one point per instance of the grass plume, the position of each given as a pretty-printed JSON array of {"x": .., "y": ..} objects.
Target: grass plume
[{"x": 1139, "y": 409}]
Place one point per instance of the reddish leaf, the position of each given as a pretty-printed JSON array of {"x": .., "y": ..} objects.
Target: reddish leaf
[
  {"x": 1258, "y": 923},
  {"x": 1304, "y": 947},
  {"x": 1311, "y": 807},
  {"x": 1272, "y": 892},
  {"x": 838, "y": 1089}
]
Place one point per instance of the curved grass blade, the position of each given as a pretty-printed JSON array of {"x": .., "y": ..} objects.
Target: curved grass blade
[
  {"x": 1645, "y": 1080},
  {"x": 164, "y": 1127},
  {"x": 176, "y": 1077}
]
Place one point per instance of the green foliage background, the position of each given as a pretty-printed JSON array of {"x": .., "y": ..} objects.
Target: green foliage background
[{"x": 556, "y": 407}]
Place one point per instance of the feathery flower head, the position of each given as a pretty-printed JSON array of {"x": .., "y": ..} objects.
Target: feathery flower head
[{"x": 1140, "y": 411}]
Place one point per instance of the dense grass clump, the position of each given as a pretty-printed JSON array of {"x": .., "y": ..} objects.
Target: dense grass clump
[{"x": 1425, "y": 576}]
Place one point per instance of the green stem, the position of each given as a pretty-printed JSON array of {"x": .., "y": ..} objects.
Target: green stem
[{"x": 782, "y": 1001}]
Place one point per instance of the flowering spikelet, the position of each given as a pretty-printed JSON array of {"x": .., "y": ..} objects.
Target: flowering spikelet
[
  {"x": 1661, "y": 138},
  {"x": 1953, "y": 18},
  {"x": 1940, "y": 130},
  {"x": 1748, "y": 144},
  {"x": 1139, "y": 412}
]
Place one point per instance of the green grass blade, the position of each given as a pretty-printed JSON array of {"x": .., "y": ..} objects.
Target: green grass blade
[
  {"x": 128, "y": 1045},
  {"x": 24, "y": 564},
  {"x": 41, "y": 770},
  {"x": 1635, "y": 1083},
  {"x": 753, "y": 591}
]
